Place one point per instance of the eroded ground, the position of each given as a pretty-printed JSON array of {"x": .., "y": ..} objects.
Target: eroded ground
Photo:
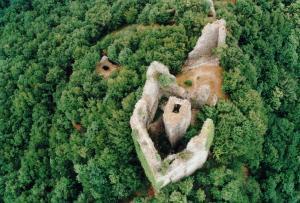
[{"x": 210, "y": 75}]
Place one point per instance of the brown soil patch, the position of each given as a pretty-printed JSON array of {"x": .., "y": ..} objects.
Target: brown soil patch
[
  {"x": 203, "y": 75},
  {"x": 151, "y": 192},
  {"x": 156, "y": 128},
  {"x": 194, "y": 116},
  {"x": 106, "y": 67},
  {"x": 246, "y": 172},
  {"x": 78, "y": 127}
]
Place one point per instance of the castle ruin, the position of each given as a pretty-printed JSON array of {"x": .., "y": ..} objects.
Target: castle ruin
[{"x": 177, "y": 113}]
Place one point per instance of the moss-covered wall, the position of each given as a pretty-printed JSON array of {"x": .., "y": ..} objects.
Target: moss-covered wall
[{"x": 147, "y": 168}]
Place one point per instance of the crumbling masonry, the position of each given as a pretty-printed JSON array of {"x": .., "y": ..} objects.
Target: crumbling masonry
[{"x": 177, "y": 114}]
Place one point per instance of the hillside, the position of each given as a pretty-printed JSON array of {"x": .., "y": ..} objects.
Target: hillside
[{"x": 65, "y": 133}]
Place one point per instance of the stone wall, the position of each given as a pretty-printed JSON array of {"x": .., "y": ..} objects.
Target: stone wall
[
  {"x": 202, "y": 66},
  {"x": 213, "y": 36},
  {"x": 160, "y": 83},
  {"x": 176, "y": 166}
]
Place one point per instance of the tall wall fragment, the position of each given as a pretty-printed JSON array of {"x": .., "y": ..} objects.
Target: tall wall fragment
[
  {"x": 213, "y": 36},
  {"x": 177, "y": 118},
  {"x": 202, "y": 66}
]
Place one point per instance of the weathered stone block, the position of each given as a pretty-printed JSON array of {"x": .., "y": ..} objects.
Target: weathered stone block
[{"x": 177, "y": 118}]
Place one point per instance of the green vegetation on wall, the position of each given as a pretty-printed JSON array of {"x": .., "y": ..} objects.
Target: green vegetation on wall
[{"x": 148, "y": 172}]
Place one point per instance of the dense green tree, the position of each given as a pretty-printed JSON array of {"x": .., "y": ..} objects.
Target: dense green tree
[{"x": 64, "y": 130}]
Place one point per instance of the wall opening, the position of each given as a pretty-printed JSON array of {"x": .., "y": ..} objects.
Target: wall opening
[
  {"x": 106, "y": 68},
  {"x": 176, "y": 108}
]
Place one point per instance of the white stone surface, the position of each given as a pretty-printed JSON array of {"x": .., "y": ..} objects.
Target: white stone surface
[
  {"x": 213, "y": 36},
  {"x": 202, "y": 94},
  {"x": 176, "y": 123}
]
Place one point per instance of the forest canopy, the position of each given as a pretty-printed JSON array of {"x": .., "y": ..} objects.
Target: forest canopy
[{"x": 64, "y": 129}]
